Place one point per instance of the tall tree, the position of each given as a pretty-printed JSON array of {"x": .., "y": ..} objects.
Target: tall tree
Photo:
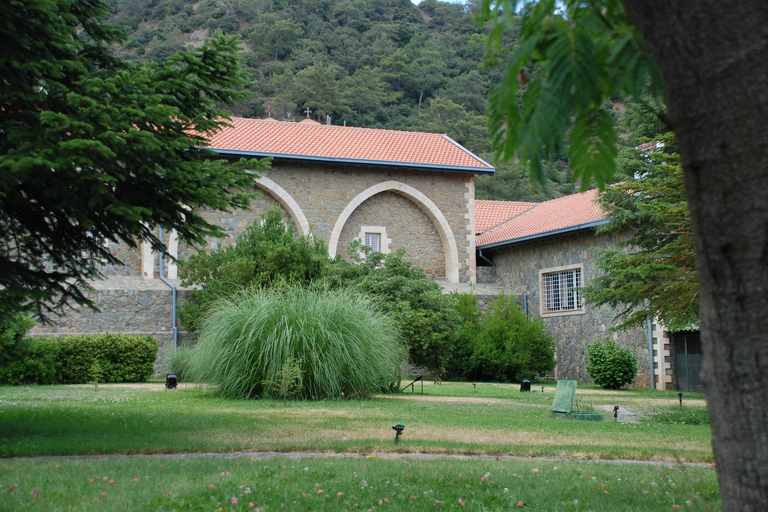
[
  {"x": 317, "y": 87},
  {"x": 427, "y": 69},
  {"x": 711, "y": 56},
  {"x": 656, "y": 278},
  {"x": 93, "y": 148}
]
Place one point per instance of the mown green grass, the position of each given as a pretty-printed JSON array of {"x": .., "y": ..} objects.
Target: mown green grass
[
  {"x": 69, "y": 420},
  {"x": 351, "y": 483},
  {"x": 512, "y": 391}
]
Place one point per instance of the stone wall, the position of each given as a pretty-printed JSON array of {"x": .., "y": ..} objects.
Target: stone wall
[
  {"x": 128, "y": 306},
  {"x": 321, "y": 194},
  {"x": 486, "y": 274},
  {"x": 518, "y": 270},
  {"x": 430, "y": 214},
  {"x": 406, "y": 226}
]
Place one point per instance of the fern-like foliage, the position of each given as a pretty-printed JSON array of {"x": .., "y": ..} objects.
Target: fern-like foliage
[{"x": 569, "y": 58}]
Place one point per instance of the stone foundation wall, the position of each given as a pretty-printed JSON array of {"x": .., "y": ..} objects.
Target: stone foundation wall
[
  {"x": 125, "y": 310},
  {"x": 486, "y": 274},
  {"x": 517, "y": 269}
]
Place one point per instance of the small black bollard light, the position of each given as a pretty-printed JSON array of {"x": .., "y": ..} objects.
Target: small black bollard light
[
  {"x": 542, "y": 389},
  {"x": 615, "y": 411},
  {"x": 399, "y": 429},
  {"x": 171, "y": 380},
  {"x": 680, "y": 396},
  {"x": 525, "y": 385},
  {"x": 473, "y": 387}
]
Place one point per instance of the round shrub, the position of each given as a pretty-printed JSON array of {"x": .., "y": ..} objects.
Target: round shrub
[
  {"x": 609, "y": 366},
  {"x": 341, "y": 343}
]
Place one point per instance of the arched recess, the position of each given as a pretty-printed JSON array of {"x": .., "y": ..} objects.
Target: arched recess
[
  {"x": 287, "y": 202},
  {"x": 424, "y": 203}
]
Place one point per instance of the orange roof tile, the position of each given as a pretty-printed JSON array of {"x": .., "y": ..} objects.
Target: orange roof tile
[
  {"x": 314, "y": 141},
  {"x": 569, "y": 212},
  {"x": 492, "y": 213}
]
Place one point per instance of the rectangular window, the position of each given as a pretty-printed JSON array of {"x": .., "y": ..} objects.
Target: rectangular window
[
  {"x": 561, "y": 291},
  {"x": 373, "y": 240}
]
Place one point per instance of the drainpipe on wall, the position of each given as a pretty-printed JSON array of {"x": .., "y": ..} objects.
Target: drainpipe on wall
[
  {"x": 650, "y": 351},
  {"x": 173, "y": 288},
  {"x": 480, "y": 253}
]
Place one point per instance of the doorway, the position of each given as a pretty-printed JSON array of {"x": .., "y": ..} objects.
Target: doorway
[{"x": 687, "y": 360}]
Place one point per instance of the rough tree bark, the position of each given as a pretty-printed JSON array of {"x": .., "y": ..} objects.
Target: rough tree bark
[{"x": 714, "y": 60}]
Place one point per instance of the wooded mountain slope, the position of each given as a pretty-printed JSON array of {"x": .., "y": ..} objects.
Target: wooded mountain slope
[{"x": 372, "y": 63}]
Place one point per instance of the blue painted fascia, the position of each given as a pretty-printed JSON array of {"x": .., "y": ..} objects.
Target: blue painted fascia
[{"x": 354, "y": 161}]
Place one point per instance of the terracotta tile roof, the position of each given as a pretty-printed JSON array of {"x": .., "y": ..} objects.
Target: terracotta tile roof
[
  {"x": 547, "y": 217},
  {"x": 304, "y": 140},
  {"x": 492, "y": 213}
]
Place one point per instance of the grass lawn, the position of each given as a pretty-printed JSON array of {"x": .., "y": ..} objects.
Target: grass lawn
[
  {"x": 210, "y": 483},
  {"x": 455, "y": 418}
]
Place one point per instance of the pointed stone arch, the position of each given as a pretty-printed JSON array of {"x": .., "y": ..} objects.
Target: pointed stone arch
[
  {"x": 287, "y": 202},
  {"x": 424, "y": 203}
]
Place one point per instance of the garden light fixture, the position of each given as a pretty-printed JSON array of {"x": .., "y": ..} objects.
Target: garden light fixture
[{"x": 399, "y": 429}]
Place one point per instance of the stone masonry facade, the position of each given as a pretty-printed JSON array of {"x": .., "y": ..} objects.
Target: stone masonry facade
[
  {"x": 322, "y": 192},
  {"x": 128, "y": 306},
  {"x": 519, "y": 268},
  {"x": 429, "y": 214}
]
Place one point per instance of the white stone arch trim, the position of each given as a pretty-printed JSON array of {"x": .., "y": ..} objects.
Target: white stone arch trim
[
  {"x": 287, "y": 202},
  {"x": 424, "y": 203}
]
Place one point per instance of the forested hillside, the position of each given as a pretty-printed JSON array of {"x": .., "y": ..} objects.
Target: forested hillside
[{"x": 370, "y": 63}]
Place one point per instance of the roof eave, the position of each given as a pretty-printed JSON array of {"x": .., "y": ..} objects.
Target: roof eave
[
  {"x": 542, "y": 236},
  {"x": 354, "y": 161}
]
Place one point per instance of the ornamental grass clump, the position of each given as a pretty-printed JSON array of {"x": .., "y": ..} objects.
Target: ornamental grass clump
[{"x": 344, "y": 345}]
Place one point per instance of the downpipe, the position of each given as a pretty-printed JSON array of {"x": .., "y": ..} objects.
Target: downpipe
[{"x": 173, "y": 289}]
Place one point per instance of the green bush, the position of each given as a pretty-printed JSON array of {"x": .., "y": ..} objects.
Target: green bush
[
  {"x": 344, "y": 345},
  {"x": 609, "y": 366},
  {"x": 500, "y": 345},
  {"x": 79, "y": 359},
  {"x": 30, "y": 361},
  {"x": 413, "y": 300},
  {"x": 25, "y": 360},
  {"x": 509, "y": 346},
  {"x": 13, "y": 329},
  {"x": 459, "y": 365},
  {"x": 119, "y": 358},
  {"x": 266, "y": 253}
]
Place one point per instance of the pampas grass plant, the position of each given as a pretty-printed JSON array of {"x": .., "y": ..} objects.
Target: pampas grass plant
[{"x": 346, "y": 346}]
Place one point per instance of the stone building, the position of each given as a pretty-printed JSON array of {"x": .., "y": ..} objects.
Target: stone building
[
  {"x": 390, "y": 189},
  {"x": 540, "y": 252}
]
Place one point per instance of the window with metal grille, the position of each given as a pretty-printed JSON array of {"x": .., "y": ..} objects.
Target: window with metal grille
[
  {"x": 373, "y": 240},
  {"x": 561, "y": 291}
]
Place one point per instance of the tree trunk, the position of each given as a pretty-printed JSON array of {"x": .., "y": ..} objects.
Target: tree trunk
[{"x": 713, "y": 57}]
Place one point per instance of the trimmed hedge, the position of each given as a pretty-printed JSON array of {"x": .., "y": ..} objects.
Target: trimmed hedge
[
  {"x": 30, "y": 361},
  {"x": 81, "y": 359}
]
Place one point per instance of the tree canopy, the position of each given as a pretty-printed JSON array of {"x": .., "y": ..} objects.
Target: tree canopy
[
  {"x": 369, "y": 63},
  {"x": 655, "y": 277},
  {"x": 556, "y": 82},
  {"x": 712, "y": 60},
  {"x": 94, "y": 148}
]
